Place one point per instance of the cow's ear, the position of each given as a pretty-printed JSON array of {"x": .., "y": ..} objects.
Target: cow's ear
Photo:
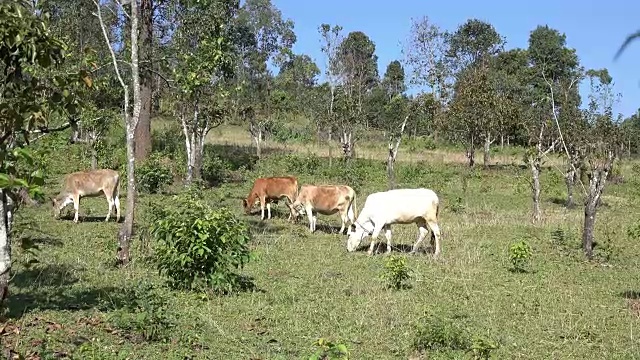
[{"x": 244, "y": 202}]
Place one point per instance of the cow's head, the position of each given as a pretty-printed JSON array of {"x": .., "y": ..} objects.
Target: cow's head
[
  {"x": 58, "y": 203},
  {"x": 298, "y": 208},
  {"x": 246, "y": 206},
  {"x": 355, "y": 235}
]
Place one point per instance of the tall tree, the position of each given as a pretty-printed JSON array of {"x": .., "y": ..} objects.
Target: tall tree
[
  {"x": 266, "y": 38},
  {"x": 553, "y": 67},
  {"x": 143, "y": 129},
  {"x": 131, "y": 116},
  {"x": 357, "y": 65},
  {"x": 331, "y": 40},
  {"x": 602, "y": 146},
  {"x": 393, "y": 79},
  {"x": 471, "y": 48},
  {"x": 204, "y": 59}
]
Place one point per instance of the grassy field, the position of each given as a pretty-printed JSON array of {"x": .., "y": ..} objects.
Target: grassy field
[{"x": 72, "y": 302}]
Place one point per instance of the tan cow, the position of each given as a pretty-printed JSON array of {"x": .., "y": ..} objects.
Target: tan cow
[
  {"x": 270, "y": 189},
  {"x": 326, "y": 200},
  {"x": 89, "y": 184}
]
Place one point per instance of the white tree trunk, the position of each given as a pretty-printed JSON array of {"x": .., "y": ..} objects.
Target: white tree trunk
[{"x": 5, "y": 247}]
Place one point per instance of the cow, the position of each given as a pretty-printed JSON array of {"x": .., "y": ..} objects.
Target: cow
[
  {"x": 399, "y": 206},
  {"x": 326, "y": 200},
  {"x": 89, "y": 184},
  {"x": 270, "y": 189}
]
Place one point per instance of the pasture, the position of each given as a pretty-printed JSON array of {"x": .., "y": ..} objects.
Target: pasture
[{"x": 74, "y": 302}]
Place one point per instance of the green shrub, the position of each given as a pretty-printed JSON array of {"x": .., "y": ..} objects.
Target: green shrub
[
  {"x": 328, "y": 350},
  {"x": 169, "y": 140},
  {"x": 197, "y": 246},
  {"x": 519, "y": 255},
  {"x": 396, "y": 272},
  {"x": 152, "y": 175}
]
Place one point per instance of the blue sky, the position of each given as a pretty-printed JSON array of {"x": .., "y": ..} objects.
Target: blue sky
[{"x": 594, "y": 28}]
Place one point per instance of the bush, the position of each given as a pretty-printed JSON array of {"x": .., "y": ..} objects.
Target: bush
[
  {"x": 328, "y": 350},
  {"x": 152, "y": 176},
  {"x": 197, "y": 246},
  {"x": 519, "y": 254},
  {"x": 396, "y": 273}
]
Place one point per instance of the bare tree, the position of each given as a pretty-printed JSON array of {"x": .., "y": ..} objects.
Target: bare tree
[
  {"x": 393, "y": 153},
  {"x": 131, "y": 121}
]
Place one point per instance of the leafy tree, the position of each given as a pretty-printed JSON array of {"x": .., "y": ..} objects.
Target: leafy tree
[
  {"x": 30, "y": 98},
  {"x": 471, "y": 48},
  {"x": 331, "y": 40},
  {"x": 204, "y": 58},
  {"x": 264, "y": 37},
  {"x": 393, "y": 80},
  {"x": 356, "y": 63}
]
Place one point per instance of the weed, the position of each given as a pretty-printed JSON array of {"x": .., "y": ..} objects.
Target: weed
[
  {"x": 519, "y": 255},
  {"x": 328, "y": 350},
  {"x": 396, "y": 272}
]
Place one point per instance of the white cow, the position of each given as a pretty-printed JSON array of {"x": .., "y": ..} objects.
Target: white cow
[{"x": 399, "y": 206}]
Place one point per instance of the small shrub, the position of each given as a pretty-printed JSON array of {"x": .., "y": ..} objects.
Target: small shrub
[
  {"x": 197, "y": 246},
  {"x": 328, "y": 350},
  {"x": 214, "y": 170},
  {"x": 169, "y": 139},
  {"x": 396, "y": 272},
  {"x": 145, "y": 313},
  {"x": 519, "y": 255},
  {"x": 482, "y": 347},
  {"x": 152, "y": 176},
  {"x": 439, "y": 333},
  {"x": 458, "y": 205}
]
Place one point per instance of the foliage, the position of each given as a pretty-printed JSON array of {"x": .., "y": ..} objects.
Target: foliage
[
  {"x": 438, "y": 333},
  {"x": 146, "y": 313},
  {"x": 519, "y": 255},
  {"x": 328, "y": 350},
  {"x": 198, "y": 247},
  {"x": 152, "y": 175},
  {"x": 396, "y": 272}
]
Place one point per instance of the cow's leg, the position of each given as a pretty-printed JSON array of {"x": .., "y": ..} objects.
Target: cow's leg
[
  {"x": 292, "y": 213},
  {"x": 422, "y": 233},
  {"x": 262, "y": 204},
  {"x": 312, "y": 227},
  {"x": 344, "y": 217},
  {"x": 110, "y": 202},
  {"x": 435, "y": 237},
  {"x": 387, "y": 234},
  {"x": 268, "y": 210},
  {"x": 116, "y": 201},
  {"x": 374, "y": 236},
  {"x": 76, "y": 206}
]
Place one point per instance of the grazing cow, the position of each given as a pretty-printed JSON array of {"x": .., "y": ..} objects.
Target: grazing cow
[
  {"x": 399, "y": 206},
  {"x": 270, "y": 189},
  {"x": 326, "y": 200},
  {"x": 89, "y": 184}
]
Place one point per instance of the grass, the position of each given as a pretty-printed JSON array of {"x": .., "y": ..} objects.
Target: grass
[{"x": 309, "y": 287}]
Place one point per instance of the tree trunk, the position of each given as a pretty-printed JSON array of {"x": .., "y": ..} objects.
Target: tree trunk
[
  {"x": 471, "y": 156},
  {"x": 94, "y": 157},
  {"x": 347, "y": 145},
  {"x": 5, "y": 248},
  {"x": 330, "y": 147},
  {"x": 257, "y": 139},
  {"x": 570, "y": 179},
  {"x": 126, "y": 232},
  {"x": 487, "y": 151},
  {"x": 589, "y": 225},
  {"x": 143, "y": 129},
  {"x": 501, "y": 141},
  {"x": 534, "y": 163}
]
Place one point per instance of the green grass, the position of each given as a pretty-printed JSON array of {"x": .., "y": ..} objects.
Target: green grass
[{"x": 310, "y": 287}]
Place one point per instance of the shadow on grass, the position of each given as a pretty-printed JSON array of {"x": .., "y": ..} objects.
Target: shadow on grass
[
  {"x": 92, "y": 219},
  {"x": 631, "y": 294},
  {"x": 381, "y": 248},
  {"x": 264, "y": 226}
]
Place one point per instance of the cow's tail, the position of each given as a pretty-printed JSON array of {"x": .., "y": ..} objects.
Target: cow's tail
[{"x": 353, "y": 209}]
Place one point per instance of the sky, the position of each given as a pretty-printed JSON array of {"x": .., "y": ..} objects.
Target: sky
[{"x": 596, "y": 29}]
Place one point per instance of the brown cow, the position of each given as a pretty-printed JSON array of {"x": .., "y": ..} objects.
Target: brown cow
[
  {"x": 272, "y": 189},
  {"x": 326, "y": 200},
  {"x": 89, "y": 184}
]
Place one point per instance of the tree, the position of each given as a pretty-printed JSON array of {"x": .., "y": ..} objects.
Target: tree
[
  {"x": 143, "y": 129},
  {"x": 131, "y": 116},
  {"x": 356, "y": 63},
  {"x": 331, "y": 39},
  {"x": 554, "y": 67},
  {"x": 393, "y": 80},
  {"x": 204, "y": 59},
  {"x": 264, "y": 37},
  {"x": 471, "y": 48},
  {"x": 30, "y": 98},
  {"x": 602, "y": 145}
]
